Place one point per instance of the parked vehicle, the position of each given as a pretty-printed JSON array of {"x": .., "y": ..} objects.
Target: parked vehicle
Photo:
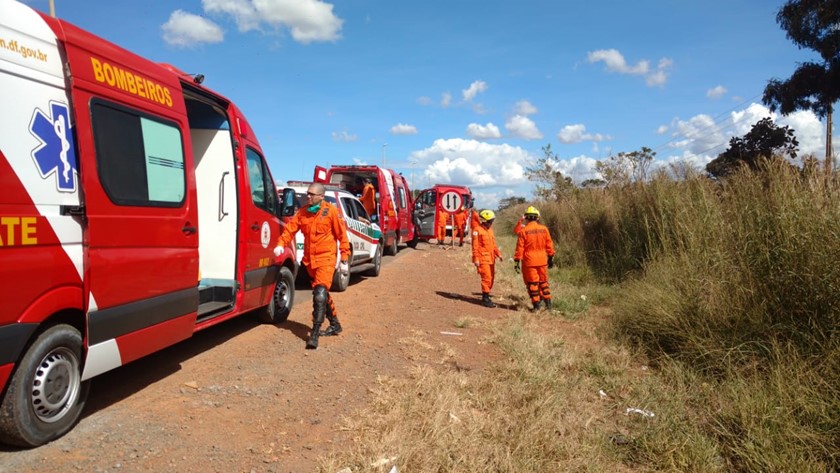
[
  {"x": 393, "y": 199},
  {"x": 430, "y": 201},
  {"x": 136, "y": 210},
  {"x": 365, "y": 236}
]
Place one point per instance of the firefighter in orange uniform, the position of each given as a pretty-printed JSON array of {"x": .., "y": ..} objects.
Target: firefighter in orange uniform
[
  {"x": 535, "y": 251},
  {"x": 459, "y": 229},
  {"x": 322, "y": 227},
  {"x": 442, "y": 218},
  {"x": 368, "y": 197},
  {"x": 484, "y": 254}
]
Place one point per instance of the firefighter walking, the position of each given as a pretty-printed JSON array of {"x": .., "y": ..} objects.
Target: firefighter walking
[
  {"x": 459, "y": 229},
  {"x": 322, "y": 227},
  {"x": 442, "y": 219},
  {"x": 368, "y": 198},
  {"x": 535, "y": 252},
  {"x": 484, "y": 254}
]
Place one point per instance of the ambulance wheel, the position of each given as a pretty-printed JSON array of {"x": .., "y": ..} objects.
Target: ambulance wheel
[
  {"x": 280, "y": 306},
  {"x": 377, "y": 263},
  {"x": 46, "y": 394},
  {"x": 392, "y": 248},
  {"x": 340, "y": 281}
]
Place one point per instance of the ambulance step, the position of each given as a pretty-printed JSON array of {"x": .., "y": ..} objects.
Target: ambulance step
[{"x": 209, "y": 309}]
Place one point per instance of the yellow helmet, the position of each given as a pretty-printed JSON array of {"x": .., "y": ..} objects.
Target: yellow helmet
[
  {"x": 532, "y": 211},
  {"x": 486, "y": 215}
]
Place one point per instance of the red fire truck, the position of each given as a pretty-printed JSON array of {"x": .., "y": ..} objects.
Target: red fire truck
[
  {"x": 440, "y": 197},
  {"x": 393, "y": 199},
  {"x": 136, "y": 209}
]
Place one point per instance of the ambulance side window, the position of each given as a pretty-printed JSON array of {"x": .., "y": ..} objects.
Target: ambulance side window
[
  {"x": 140, "y": 158},
  {"x": 262, "y": 190},
  {"x": 402, "y": 197}
]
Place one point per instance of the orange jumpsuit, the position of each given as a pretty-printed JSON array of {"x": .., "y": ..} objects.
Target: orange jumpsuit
[
  {"x": 368, "y": 199},
  {"x": 321, "y": 230},
  {"x": 485, "y": 252},
  {"x": 442, "y": 220},
  {"x": 460, "y": 223},
  {"x": 533, "y": 248}
]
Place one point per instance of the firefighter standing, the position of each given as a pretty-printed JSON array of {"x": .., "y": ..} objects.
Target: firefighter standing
[
  {"x": 322, "y": 227},
  {"x": 484, "y": 254},
  {"x": 368, "y": 197},
  {"x": 460, "y": 225},
  {"x": 442, "y": 218},
  {"x": 535, "y": 250}
]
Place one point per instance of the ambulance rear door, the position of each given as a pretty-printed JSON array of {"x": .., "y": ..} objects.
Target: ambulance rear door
[{"x": 137, "y": 177}]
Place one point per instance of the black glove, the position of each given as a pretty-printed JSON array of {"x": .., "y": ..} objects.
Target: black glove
[
  {"x": 516, "y": 267},
  {"x": 550, "y": 262}
]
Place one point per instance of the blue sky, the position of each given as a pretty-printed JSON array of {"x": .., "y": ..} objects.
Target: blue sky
[{"x": 469, "y": 92}]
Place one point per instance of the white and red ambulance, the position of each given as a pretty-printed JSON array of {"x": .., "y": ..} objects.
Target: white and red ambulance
[
  {"x": 136, "y": 208},
  {"x": 393, "y": 199}
]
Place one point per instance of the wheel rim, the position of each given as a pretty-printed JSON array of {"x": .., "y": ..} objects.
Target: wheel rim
[
  {"x": 56, "y": 385},
  {"x": 281, "y": 295}
]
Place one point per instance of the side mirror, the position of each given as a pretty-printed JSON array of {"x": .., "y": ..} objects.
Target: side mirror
[{"x": 287, "y": 203}]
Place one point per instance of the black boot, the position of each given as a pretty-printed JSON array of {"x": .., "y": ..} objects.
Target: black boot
[
  {"x": 335, "y": 326},
  {"x": 547, "y": 304},
  {"x": 319, "y": 309},
  {"x": 536, "y": 306},
  {"x": 485, "y": 300}
]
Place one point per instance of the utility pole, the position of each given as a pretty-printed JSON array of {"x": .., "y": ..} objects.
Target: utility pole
[
  {"x": 52, "y": 8},
  {"x": 829, "y": 151},
  {"x": 384, "y": 145}
]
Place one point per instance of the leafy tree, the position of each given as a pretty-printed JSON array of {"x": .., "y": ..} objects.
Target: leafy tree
[
  {"x": 551, "y": 183},
  {"x": 593, "y": 183},
  {"x": 640, "y": 162},
  {"x": 509, "y": 202},
  {"x": 615, "y": 170},
  {"x": 811, "y": 24},
  {"x": 764, "y": 140}
]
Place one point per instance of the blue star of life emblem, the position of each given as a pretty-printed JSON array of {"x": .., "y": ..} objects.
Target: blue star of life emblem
[{"x": 56, "y": 152}]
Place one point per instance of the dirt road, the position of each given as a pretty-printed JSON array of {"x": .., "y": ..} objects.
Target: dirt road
[{"x": 243, "y": 396}]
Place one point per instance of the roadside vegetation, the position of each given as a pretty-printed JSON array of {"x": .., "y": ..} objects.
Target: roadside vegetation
[{"x": 695, "y": 329}]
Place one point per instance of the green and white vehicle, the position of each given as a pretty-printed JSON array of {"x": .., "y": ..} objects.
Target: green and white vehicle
[{"x": 365, "y": 236}]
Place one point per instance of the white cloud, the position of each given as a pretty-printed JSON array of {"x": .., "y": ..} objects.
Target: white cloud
[
  {"x": 344, "y": 136},
  {"x": 700, "y": 139},
  {"x": 424, "y": 101},
  {"x": 577, "y": 133},
  {"x": 809, "y": 131},
  {"x": 185, "y": 30},
  {"x": 307, "y": 20},
  {"x": 474, "y": 89},
  {"x": 483, "y": 132},
  {"x": 524, "y": 108},
  {"x": 445, "y": 99},
  {"x": 473, "y": 163},
  {"x": 523, "y": 127},
  {"x": 716, "y": 92},
  {"x": 403, "y": 129},
  {"x": 615, "y": 62},
  {"x": 661, "y": 129}
]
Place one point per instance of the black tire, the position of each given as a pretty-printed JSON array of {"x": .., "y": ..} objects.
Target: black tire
[
  {"x": 46, "y": 395},
  {"x": 340, "y": 281},
  {"x": 392, "y": 248},
  {"x": 282, "y": 299},
  {"x": 377, "y": 263}
]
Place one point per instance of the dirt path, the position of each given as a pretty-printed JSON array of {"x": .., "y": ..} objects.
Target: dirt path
[{"x": 247, "y": 397}]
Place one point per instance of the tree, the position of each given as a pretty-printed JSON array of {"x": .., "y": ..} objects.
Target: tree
[
  {"x": 640, "y": 161},
  {"x": 811, "y": 24},
  {"x": 614, "y": 170},
  {"x": 764, "y": 140},
  {"x": 509, "y": 202},
  {"x": 551, "y": 183}
]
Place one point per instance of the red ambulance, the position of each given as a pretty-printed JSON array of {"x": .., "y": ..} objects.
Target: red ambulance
[
  {"x": 136, "y": 209},
  {"x": 439, "y": 197},
  {"x": 393, "y": 199}
]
